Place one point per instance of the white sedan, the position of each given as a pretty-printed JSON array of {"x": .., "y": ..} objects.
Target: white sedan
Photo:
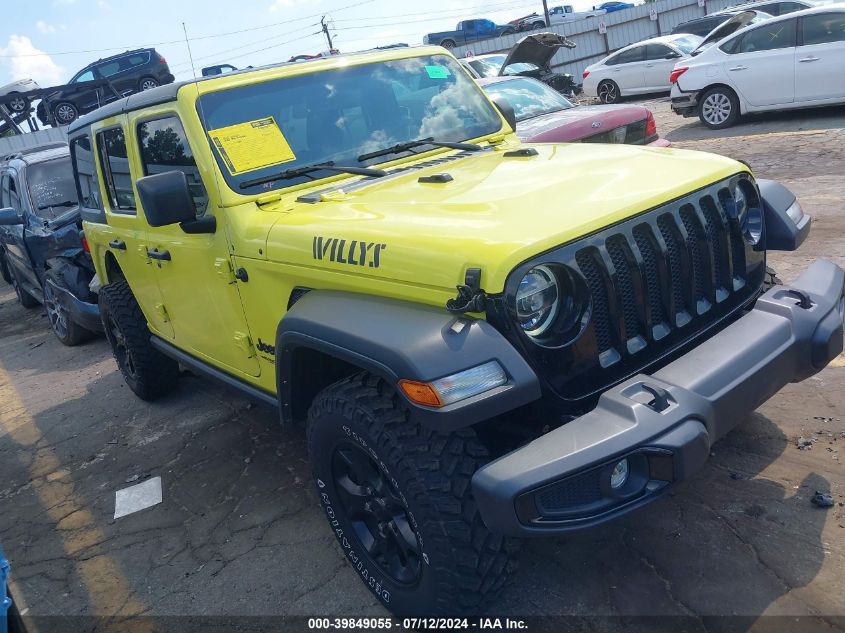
[
  {"x": 792, "y": 61},
  {"x": 17, "y": 104},
  {"x": 640, "y": 68}
]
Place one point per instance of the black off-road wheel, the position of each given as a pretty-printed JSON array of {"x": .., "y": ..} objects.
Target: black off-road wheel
[
  {"x": 771, "y": 279},
  {"x": 399, "y": 501},
  {"x": 66, "y": 329},
  {"x": 26, "y": 299},
  {"x": 448, "y": 44},
  {"x": 148, "y": 372}
]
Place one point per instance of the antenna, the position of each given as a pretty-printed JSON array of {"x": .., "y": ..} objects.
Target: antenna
[{"x": 201, "y": 109}]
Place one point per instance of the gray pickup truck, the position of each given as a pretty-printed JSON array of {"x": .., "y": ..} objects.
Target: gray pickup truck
[{"x": 468, "y": 31}]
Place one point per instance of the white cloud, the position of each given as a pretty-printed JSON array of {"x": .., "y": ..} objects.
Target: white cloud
[
  {"x": 25, "y": 61},
  {"x": 44, "y": 28},
  {"x": 102, "y": 4}
]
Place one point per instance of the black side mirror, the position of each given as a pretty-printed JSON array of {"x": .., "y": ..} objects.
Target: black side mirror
[
  {"x": 9, "y": 217},
  {"x": 166, "y": 199},
  {"x": 672, "y": 55},
  {"x": 506, "y": 109}
]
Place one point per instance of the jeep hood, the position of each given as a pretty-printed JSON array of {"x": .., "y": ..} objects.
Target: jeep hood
[
  {"x": 495, "y": 213},
  {"x": 537, "y": 49}
]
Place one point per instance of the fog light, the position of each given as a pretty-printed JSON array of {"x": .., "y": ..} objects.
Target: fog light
[{"x": 619, "y": 475}]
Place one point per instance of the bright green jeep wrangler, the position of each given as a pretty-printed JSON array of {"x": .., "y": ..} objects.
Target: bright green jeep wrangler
[{"x": 486, "y": 340}]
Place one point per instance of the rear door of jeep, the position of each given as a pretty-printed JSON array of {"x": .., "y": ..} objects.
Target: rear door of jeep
[{"x": 107, "y": 199}]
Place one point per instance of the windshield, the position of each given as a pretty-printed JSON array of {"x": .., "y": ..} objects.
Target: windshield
[
  {"x": 488, "y": 66},
  {"x": 529, "y": 98},
  {"x": 51, "y": 187},
  {"x": 340, "y": 114},
  {"x": 688, "y": 43}
]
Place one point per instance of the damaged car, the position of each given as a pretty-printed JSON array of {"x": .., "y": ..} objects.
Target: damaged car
[
  {"x": 530, "y": 57},
  {"x": 43, "y": 253},
  {"x": 542, "y": 115}
]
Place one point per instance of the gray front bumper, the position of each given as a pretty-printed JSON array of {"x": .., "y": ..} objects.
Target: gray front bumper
[{"x": 664, "y": 424}]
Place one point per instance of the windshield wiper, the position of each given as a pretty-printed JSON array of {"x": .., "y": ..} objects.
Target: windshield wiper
[
  {"x": 66, "y": 203},
  {"x": 305, "y": 170},
  {"x": 404, "y": 147}
]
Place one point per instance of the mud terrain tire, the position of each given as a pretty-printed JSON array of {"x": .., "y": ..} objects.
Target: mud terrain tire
[{"x": 360, "y": 439}]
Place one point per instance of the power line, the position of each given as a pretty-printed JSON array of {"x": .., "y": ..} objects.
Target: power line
[
  {"x": 486, "y": 7},
  {"x": 193, "y": 39},
  {"x": 238, "y": 48}
]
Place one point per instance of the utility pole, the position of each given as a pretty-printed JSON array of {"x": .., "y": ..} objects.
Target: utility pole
[
  {"x": 326, "y": 31},
  {"x": 546, "y": 12}
]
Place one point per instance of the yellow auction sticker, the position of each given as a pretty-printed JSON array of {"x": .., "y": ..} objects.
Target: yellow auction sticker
[{"x": 252, "y": 145}]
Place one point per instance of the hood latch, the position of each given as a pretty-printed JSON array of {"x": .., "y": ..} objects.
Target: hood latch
[{"x": 471, "y": 298}]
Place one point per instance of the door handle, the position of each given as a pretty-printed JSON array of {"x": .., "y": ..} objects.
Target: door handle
[
  {"x": 649, "y": 65},
  {"x": 739, "y": 68},
  {"x": 811, "y": 58},
  {"x": 159, "y": 255},
  {"x": 119, "y": 245}
]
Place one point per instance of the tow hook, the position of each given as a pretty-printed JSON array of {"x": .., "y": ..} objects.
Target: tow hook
[
  {"x": 803, "y": 298},
  {"x": 471, "y": 298}
]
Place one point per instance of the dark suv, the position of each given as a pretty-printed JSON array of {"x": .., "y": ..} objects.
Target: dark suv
[
  {"x": 132, "y": 71},
  {"x": 42, "y": 252}
]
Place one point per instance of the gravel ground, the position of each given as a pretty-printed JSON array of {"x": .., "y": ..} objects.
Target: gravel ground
[{"x": 240, "y": 531}]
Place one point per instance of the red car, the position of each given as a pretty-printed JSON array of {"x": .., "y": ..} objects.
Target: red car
[{"x": 545, "y": 115}]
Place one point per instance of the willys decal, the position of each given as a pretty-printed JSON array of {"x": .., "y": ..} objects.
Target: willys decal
[{"x": 353, "y": 252}]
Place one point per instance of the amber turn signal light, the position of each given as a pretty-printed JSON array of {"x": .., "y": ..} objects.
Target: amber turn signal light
[{"x": 421, "y": 393}]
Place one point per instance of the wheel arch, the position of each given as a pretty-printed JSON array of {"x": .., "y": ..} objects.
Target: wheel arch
[
  {"x": 328, "y": 335},
  {"x": 112, "y": 269},
  {"x": 720, "y": 84}
]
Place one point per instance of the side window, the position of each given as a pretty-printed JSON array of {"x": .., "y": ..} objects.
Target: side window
[
  {"x": 14, "y": 199},
  {"x": 110, "y": 68},
  {"x": 654, "y": 52},
  {"x": 769, "y": 37},
  {"x": 4, "y": 191},
  {"x": 773, "y": 8},
  {"x": 635, "y": 54},
  {"x": 731, "y": 46},
  {"x": 87, "y": 183},
  {"x": 88, "y": 75},
  {"x": 164, "y": 147},
  {"x": 114, "y": 163},
  {"x": 823, "y": 28},
  {"x": 137, "y": 60}
]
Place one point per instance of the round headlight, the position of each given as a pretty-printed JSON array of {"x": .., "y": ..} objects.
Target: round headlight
[
  {"x": 749, "y": 213},
  {"x": 537, "y": 300},
  {"x": 740, "y": 204}
]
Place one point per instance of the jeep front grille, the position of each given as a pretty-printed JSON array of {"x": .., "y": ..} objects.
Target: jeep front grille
[
  {"x": 662, "y": 274},
  {"x": 655, "y": 283}
]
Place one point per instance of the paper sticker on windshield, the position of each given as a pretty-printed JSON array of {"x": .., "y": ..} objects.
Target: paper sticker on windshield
[
  {"x": 437, "y": 72},
  {"x": 252, "y": 145}
]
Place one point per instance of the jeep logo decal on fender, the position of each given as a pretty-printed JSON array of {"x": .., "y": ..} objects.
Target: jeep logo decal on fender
[{"x": 354, "y": 252}]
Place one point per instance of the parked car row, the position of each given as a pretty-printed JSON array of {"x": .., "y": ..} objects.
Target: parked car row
[{"x": 795, "y": 60}]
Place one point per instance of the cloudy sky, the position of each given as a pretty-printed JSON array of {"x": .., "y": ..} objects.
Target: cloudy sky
[{"x": 49, "y": 40}]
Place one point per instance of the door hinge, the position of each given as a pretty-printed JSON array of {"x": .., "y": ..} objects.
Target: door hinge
[
  {"x": 162, "y": 312},
  {"x": 224, "y": 268},
  {"x": 244, "y": 343}
]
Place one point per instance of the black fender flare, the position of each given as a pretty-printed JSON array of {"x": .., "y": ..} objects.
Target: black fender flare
[{"x": 399, "y": 339}]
